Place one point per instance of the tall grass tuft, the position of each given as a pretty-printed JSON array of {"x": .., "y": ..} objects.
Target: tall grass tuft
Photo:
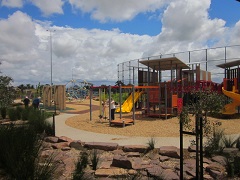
[
  {"x": 19, "y": 153},
  {"x": 151, "y": 144},
  {"x": 213, "y": 144},
  {"x": 228, "y": 141},
  {"x": 94, "y": 158},
  {"x": 37, "y": 119},
  {"x": 12, "y": 114},
  {"x": 78, "y": 173}
]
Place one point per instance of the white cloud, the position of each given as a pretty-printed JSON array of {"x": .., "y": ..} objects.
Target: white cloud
[
  {"x": 12, "y": 3},
  {"x": 17, "y": 33},
  {"x": 49, "y": 7},
  {"x": 94, "y": 54},
  {"x": 118, "y": 11},
  {"x": 188, "y": 20}
]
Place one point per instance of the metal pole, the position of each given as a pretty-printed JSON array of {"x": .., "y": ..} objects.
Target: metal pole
[
  {"x": 201, "y": 146},
  {"x": 133, "y": 94},
  {"x": 181, "y": 147},
  {"x": 109, "y": 102},
  {"x": 53, "y": 125},
  {"x": 197, "y": 145},
  {"x": 51, "y": 53},
  {"x": 120, "y": 100},
  {"x": 91, "y": 103}
]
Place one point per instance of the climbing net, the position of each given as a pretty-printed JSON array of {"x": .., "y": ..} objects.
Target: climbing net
[{"x": 77, "y": 90}]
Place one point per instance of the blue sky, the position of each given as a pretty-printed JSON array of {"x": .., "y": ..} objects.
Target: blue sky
[{"x": 94, "y": 36}]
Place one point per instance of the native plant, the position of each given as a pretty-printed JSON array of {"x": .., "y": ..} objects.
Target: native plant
[
  {"x": 202, "y": 104},
  {"x": 7, "y": 94},
  {"x": 78, "y": 173},
  {"x": 151, "y": 143},
  {"x": 94, "y": 158},
  {"x": 19, "y": 154}
]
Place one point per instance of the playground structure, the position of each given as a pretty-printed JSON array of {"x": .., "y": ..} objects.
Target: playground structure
[
  {"x": 164, "y": 99},
  {"x": 77, "y": 90},
  {"x": 167, "y": 81},
  {"x": 231, "y": 86},
  {"x": 161, "y": 85},
  {"x": 54, "y": 97}
]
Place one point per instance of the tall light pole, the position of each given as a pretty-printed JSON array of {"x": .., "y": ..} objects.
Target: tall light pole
[{"x": 50, "y": 39}]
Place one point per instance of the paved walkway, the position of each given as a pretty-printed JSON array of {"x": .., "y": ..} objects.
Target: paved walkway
[{"x": 76, "y": 134}]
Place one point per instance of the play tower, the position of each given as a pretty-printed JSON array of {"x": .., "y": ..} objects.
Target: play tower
[{"x": 163, "y": 98}]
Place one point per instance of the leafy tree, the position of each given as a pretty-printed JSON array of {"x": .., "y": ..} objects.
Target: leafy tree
[
  {"x": 203, "y": 103},
  {"x": 7, "y": 93}
]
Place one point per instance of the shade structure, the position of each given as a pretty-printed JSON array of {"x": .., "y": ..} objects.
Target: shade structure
[{"x": 162, "y": 64}]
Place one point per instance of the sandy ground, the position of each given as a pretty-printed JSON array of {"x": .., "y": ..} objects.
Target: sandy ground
[{"x": 146, "y": 127}]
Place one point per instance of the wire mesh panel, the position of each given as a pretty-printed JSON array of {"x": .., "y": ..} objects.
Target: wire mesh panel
[{"x": 206, "y": 58}]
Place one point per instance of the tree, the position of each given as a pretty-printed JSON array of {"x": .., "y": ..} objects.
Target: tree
[{"x": 7, "y": 94}]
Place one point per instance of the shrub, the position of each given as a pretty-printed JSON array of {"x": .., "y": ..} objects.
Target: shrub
[
  {"x": 228, "y": 141},
  {"x": 19, "y": 112},
  {"x": 37, "y": 119},
  {"x": 238, "y": 143},
  {"x": 12, "y": 114},
  {"x": 94, "y": 158},
  {"x": 19, "y": 153},
  {"x": 151, "y": 143},
  {"x": 213, "y": 144},
  {"x": 4, "y": 112},
  {"x": 78, "y": 173}
]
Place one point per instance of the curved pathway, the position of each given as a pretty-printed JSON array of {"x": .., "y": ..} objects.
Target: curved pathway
[{"x": 61, "y": 129}]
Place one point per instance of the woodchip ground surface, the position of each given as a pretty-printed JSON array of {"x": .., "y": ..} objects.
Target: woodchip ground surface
[{"x": 146, "y": 127}]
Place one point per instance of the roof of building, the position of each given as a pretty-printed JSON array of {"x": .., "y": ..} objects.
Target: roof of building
[
  {"x": 165, "y": 63},
  {"x": 229, "y": 64}
]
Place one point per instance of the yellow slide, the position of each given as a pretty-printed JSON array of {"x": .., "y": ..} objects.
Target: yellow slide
[
  {"x": 128, "y": 105},
  {"x": 231, "y": 107}
]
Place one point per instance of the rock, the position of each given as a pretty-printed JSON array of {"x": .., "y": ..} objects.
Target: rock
[
  {"x": 122, "y": 162},
  {"x": 133, "y": 154},
  {"x": 105, "y": 165},
  {"x": 64, "y": 139},
  {"x": 101, "y": 145},
  {"x": 230, "y": 150},
  {"x": 135, "y": 148},
  {"x": 76, "y": 145},
  {"x": 216, "y": 170},
  {"x": 60, "y": 145},
  {"x": 51, "y": 139},
  {"x": 164, "y": 158},
  {"x": 192, "y": 148},
  {"x": 113, "y": 172},
  {"x": 220, "y": 159},
  {"x": 170, "y": 151},
  {"x": 168, "y": 174},
  {"x": 155, "y": 171}
]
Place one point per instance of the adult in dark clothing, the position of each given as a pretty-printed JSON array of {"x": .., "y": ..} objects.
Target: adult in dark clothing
[
  {"x": 26, "y": 102},
  {"x": 36, "y": 102}
]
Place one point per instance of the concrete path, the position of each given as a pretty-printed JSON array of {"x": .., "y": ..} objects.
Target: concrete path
[{"x": 61, "y": 129}]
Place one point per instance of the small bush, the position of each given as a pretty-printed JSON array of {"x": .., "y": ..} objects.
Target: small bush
[
  {"x": 19, "y": 153},
  {"x": 228, "y": 141},
  {"x": 12, "y": 114},
  {"x": 37, "y": 119},
  {"x": 78, "y": 173},
  {"x": 213, "y": 144},
  {"x": 4, "y": 112},
  {"x": 94, "y": 158},
  {"x": 151, "y": 144},
  {"x": 238, "y": 143},
  {"x": 19, "y": 112}
]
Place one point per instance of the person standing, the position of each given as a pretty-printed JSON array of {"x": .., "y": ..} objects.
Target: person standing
[
  {"x": 36, "y": 103},
  {"x": 26, "y": 102},
  {"x": 112, "y": 107}
]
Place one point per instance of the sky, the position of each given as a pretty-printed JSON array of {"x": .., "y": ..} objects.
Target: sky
[{"x": 86, "y": 39}]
